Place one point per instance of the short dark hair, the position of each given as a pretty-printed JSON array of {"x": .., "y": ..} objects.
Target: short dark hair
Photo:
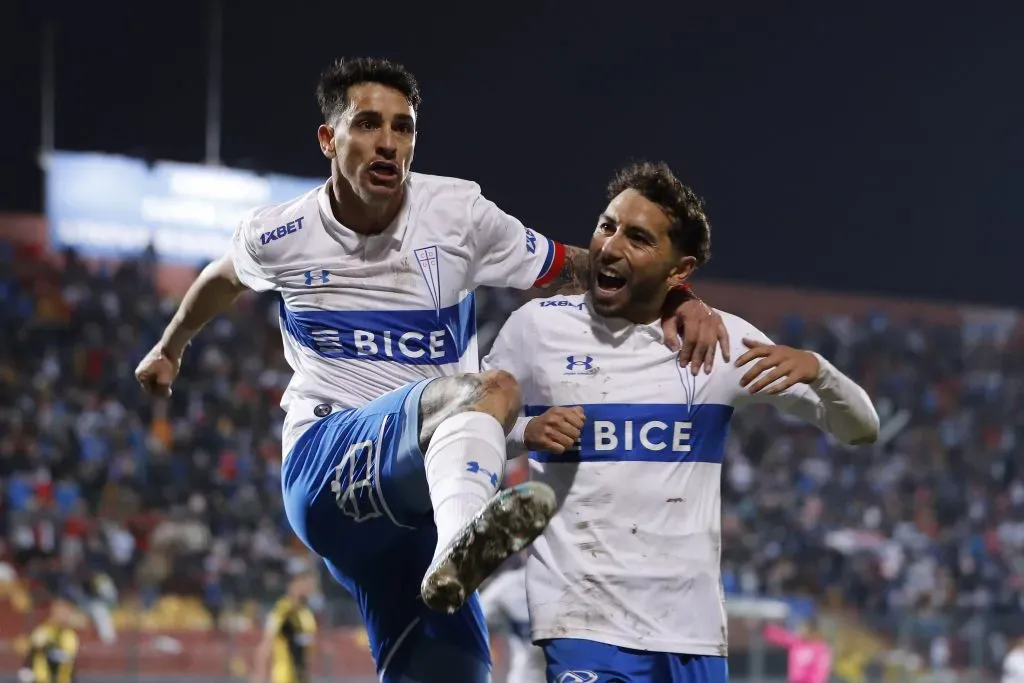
[
  {"x": 332, "y": 90},
  {"x": 690, "y": 232}
]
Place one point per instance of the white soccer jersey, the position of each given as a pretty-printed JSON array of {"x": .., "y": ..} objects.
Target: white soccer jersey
[
  {"x": 363, "y": 315},
  {"x": 504, "y": 603},
  {"x": 632, "y": 556}
]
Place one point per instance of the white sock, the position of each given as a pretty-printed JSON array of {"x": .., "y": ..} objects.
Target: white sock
[{"x": 464, "y": 463}]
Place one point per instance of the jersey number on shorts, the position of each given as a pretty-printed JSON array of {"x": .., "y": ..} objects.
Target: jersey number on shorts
[{"x": 357, "y": 498}]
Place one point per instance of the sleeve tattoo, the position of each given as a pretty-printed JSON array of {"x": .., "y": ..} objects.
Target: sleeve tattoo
[{"x": 574, "y": 278}]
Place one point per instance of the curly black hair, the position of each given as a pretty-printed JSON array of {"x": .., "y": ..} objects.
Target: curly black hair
[
  {"x": 691, "y": 231},
  {"x": 332, "y": 90}
]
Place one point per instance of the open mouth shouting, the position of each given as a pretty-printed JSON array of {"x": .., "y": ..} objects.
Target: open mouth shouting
[
  {"x": 383, "y": 172},
  {"x": 608, "y": 284}
]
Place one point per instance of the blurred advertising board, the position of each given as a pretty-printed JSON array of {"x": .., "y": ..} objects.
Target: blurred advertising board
[{"x": 113, "y": 206}]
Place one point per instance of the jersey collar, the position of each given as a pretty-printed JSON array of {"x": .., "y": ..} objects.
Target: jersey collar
[
  {"x": 620, "y": 327},
  {"x": 396, "y": 230}
]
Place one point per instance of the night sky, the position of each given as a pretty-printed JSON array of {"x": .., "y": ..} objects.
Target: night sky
[{"x": 876, "y": 148}]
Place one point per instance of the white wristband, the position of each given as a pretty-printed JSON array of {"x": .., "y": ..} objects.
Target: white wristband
[{"x": 516, "y": 439}]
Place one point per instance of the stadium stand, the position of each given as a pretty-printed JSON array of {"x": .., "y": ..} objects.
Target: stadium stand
[{"x": 909, "y": 554}]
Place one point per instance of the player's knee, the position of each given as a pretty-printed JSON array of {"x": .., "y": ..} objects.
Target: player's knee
[
  {"x": 502, "y": 392},
  {"x": 505, "y": 386}
]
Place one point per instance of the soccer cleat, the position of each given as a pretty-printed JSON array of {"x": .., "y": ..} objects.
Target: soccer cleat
[{"x": 509, "y": 522}]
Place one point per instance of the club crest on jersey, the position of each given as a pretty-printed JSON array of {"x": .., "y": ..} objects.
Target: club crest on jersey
[
  {"x": 427, "y": 258},
  {"x": 580, "y": 365}
]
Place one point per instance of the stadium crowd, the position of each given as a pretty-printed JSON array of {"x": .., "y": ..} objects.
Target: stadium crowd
[{"x": 183, "y": 496}]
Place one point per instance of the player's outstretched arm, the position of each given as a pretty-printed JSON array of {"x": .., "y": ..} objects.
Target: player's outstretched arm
[
  {"x": 806, "y": 385},
  {"x": 211, "y": 294}
]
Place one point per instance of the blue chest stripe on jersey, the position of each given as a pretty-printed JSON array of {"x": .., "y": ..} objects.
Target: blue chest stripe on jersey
[
  {"x": 417, "y": 337},
  {"x": 646, "y": 432}
]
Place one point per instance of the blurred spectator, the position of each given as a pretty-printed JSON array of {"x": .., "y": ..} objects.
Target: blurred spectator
[{"x": 183, "y": 496}]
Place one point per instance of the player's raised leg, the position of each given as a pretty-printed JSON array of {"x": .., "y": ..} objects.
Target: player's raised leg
[
  {"x": 463, "y": 422},
  {"x": 403, "y": 488}
]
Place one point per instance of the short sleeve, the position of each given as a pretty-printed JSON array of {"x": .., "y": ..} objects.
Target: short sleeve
[
  {"x": 507, "y": 253},
  {"x": 245, "y": 258}
]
